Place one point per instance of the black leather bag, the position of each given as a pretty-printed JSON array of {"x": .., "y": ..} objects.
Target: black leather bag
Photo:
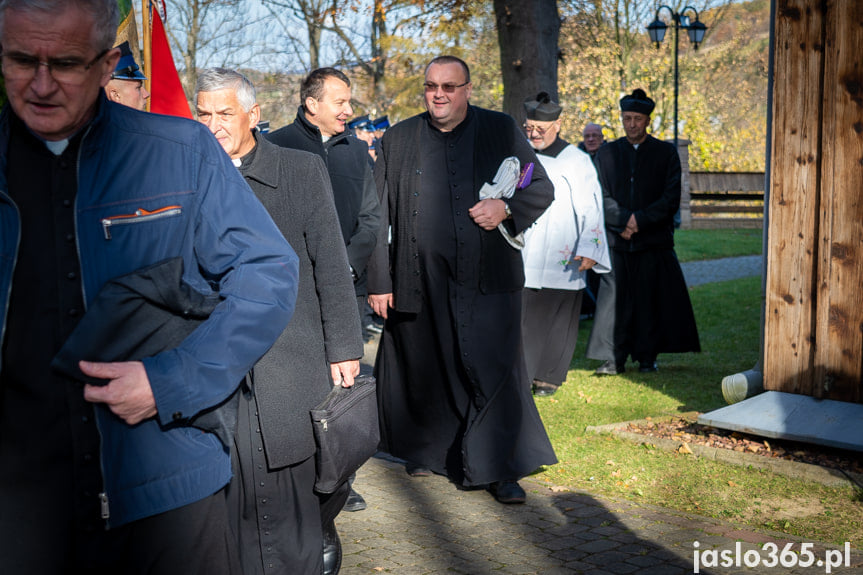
[{"x": 346, "y": 432}]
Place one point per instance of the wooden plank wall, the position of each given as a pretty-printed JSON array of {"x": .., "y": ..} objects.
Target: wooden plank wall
[{"x": 814, "y": 313}]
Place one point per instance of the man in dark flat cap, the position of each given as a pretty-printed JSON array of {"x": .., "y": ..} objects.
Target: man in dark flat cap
[
  {"x": 643, "y": 307},
  {"x": 126, "y": 85}
]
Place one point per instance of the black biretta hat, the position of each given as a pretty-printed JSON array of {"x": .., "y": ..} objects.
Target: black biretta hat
[
  {"x": 637, "y": 102},
  {"x": 542, "y": 109}
]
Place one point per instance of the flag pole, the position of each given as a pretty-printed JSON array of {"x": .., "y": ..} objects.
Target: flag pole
[{"x": 146, "y": 14}]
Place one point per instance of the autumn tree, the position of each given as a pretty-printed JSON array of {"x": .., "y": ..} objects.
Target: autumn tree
[
  {"x": 528, "y": 32},
  {"x": 208, "y": 33}
]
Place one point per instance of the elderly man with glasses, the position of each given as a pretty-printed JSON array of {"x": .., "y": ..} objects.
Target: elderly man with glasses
[
  {"x": 106, "y": 465},
  {"x": 564, "y": 243},
  {"x": 453, "y": 394}
]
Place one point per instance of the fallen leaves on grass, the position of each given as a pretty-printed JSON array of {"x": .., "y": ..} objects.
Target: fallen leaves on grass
[{"x": 688, "y": 433}]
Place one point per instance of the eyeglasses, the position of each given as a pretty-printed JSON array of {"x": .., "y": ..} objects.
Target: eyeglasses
[
  {"x": 528, "y": 128},
  {"x": 448, "y": 88},
  {"x": 67, "y": 71}
]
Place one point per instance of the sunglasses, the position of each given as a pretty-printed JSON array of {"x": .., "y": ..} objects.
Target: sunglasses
[{"x": 448, "y": 88}]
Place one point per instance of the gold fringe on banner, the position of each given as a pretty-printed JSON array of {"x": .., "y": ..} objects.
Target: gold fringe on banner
[{"x": 128, "y": 31}]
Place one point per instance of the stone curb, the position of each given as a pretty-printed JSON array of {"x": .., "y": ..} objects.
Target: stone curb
[{"x": 793, "y": 469}]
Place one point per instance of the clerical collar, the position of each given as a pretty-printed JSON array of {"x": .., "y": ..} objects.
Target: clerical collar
[
  {"x": 57, "y": 148},
  {"x": 554, "y": 149},
  {"x": 247, "y": 159}
]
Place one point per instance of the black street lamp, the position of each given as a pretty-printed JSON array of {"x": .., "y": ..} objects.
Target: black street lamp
[{"x": 656, "y": 31}]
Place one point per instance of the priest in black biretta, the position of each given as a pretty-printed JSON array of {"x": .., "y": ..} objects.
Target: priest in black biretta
[
  {"x": 542, "y": 108},
  {"x": 643, "y": 307},
  {"x": 637, "y": 102}
]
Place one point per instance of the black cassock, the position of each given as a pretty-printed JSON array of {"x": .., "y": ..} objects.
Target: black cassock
[
  {"x": 643, "y": 307},
  {"x": 453, "y": 391}
]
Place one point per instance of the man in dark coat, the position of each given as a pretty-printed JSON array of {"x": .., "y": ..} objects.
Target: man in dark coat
[
  {"x": 282, "y": 525},
  {"x": 643, "y": 307},
  {"x": 453, "y": 392},
  {"x": 320, "y": 128}
]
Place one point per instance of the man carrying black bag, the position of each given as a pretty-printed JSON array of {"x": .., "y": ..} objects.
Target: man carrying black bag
[{"x": 282, "y": 524}]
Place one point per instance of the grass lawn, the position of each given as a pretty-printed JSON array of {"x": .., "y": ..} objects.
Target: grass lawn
[
  {"x": 695, "y": 245},
  {"x": 728, "y": 317}
]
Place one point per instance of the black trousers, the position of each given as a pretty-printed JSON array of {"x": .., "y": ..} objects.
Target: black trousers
[
  {"x": 190, "y": 540},
  {"x": 277, "y": 517},
  {"x": 549, "y": 324}
]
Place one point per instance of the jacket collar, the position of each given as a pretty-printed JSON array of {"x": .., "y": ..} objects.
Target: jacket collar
[
  {"x": 313, "y": 132},
  {"x": 264, "y": 167}
]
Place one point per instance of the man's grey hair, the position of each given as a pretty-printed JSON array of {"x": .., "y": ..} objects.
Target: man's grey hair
[
  {"x": 105, "y": 14},
  {"x": 214, "y": 79}
]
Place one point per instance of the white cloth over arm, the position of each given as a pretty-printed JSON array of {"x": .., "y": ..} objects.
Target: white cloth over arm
[
  {"x": 505, "y": 182},
  {"x": 573, "y": 226}
]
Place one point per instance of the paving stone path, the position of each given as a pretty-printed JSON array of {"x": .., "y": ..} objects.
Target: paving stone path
[
  {"x": 697, "y": 273},
  {"x": 425, "y": 526}
]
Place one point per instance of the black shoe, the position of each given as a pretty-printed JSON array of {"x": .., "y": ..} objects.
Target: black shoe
[
  {"x": 543, "y": 388},
  {"x": 354, "y": 502},
  {"x": 610, "y": 368},
  {"x": 417, "y": 470},
  {"x": 332, "y": 550},
  {"x": 507, "y": 492},
  {"x": 647, "y": 366}
]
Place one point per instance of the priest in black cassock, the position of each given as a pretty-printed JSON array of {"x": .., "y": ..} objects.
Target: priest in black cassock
[
  {"x": 453, "y": 393},
  {"x": 643, "y": 308}
]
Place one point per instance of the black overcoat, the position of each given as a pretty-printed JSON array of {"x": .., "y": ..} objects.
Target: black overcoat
[
  {"x": 293, "y": 376},
  {"x": 644, "y": 182},
  {"x": 357, "y": 204}
]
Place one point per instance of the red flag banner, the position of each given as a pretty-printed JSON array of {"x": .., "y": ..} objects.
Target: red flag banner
[{"x": 166, "y": 91}]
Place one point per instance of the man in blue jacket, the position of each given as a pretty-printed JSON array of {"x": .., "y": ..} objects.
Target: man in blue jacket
[{"x": 115, "y": 478}]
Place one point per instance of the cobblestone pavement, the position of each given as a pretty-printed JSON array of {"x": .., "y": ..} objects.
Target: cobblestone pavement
[{"x": 419, "y": 526}]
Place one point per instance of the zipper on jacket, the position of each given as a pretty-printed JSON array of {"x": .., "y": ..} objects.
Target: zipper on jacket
[
  {"x": 104, "y": 509},
  {"x": 103, "y": 505},
  {"x": 140, "y": 215}
]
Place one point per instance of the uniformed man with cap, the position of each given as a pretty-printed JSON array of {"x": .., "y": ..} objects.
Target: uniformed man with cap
[
  {"x": 126, "y": 85},
  {"x": 364, "y": 130}
]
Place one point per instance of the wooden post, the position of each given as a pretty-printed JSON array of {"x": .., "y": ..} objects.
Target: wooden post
[
  {"x": 813, "y": 332},
  {"x": 789, "y": 320},
  {"x": 685, "y": 197}
]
